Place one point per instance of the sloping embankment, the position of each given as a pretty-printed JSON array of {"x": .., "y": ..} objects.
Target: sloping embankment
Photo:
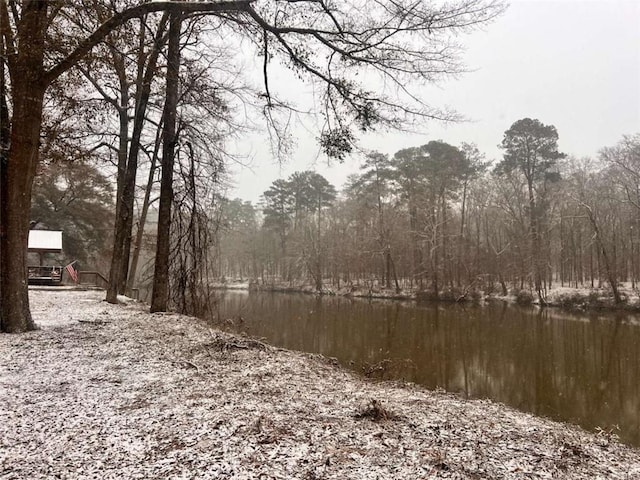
[{"x": 105, "y": 391}]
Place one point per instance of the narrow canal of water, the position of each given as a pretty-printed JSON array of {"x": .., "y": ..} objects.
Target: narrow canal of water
[{"x": 582, "y": 369}]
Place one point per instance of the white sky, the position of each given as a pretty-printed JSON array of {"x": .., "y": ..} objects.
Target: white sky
[{"x": 574, "y": 64}]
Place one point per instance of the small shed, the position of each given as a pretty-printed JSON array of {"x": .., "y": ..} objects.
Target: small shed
[
  {"x": 45, "y": 241},
  {"x": 42, "y": 242}
]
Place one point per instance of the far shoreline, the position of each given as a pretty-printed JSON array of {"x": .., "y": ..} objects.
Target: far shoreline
[{"x": 583, "y": 299}]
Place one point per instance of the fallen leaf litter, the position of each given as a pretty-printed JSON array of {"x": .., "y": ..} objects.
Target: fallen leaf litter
[{"x": 110, "y": 392}]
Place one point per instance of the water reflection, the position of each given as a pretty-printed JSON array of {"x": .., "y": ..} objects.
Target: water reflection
[{"x": 577, "y": 369}]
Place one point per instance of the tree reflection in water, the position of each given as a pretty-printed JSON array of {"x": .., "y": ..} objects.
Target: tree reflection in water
[{"x": 582, "y": 369}]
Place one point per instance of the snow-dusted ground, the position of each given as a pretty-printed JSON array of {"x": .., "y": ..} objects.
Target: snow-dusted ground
[
  {"x": 572, "y": 298},
  {"x": 106, "y": 392}
]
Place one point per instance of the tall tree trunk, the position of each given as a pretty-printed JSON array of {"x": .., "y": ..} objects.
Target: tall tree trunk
[
  {"x": 125, "y": 285},
  {"x": 434, "y": 254},
  {"x": 5, "y": 141},
  {"x": 461, "y": 241},
  {"x": 418, "y": 266},
  {"x": 19, "y": 168},
  {"x": 137, "y": 246},
  {"x": 446, "y": 265},
  {"x": 196, "y": 246},
  {"x": 123, "y": 112},
  {"x": 160, "y": 295},
  {"x": 124, "y": 220},
  {"x": 319, "y": 253},
  {"x": 609, "y": 269},
  {"x": 121, "y": 104},
  {"x": 536, "y": 250},
  {"x": 387, "y": 266}
]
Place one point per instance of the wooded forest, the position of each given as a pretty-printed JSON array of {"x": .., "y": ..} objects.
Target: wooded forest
[
  {"x": 148, "y": 95},
  {"x": 116, "y": 124},
  {"x": 443, "y": 219},
  {"x": 155, "y": 325}
]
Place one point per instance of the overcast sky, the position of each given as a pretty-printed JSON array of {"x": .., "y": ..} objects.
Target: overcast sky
[{"x": 574, "y": 64}]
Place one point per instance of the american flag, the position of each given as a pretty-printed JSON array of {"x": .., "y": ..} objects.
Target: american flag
[{"x": 73, "y": 273}]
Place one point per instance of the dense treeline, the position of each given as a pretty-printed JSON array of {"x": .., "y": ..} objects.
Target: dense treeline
[
  {"x": 155, "y": 89},
  {"x": 440, "y": 218}
]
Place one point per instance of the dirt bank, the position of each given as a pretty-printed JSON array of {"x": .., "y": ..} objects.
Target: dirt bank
[{"x": 105, "y": 391}]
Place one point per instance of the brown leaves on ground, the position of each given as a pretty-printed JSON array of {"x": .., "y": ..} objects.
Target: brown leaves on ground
[{"x": 135, "y": 395}]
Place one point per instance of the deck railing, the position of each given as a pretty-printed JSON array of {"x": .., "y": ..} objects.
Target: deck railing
[
  {"x": 92, "y": 278},
  {"x": 96, "y": 279},
  {"x": 45, "y": 275}
]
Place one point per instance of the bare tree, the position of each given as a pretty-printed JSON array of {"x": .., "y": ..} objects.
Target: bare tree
[
  {"x": 402, "y": 43},
  {"x": 592, "y": 198}
]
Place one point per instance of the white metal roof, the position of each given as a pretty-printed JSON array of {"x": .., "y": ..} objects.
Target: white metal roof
[{"x": 50, "y": 240}]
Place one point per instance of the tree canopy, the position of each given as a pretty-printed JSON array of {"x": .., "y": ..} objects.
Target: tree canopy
[
  {"x": 76, "y": 198},
  {"x": 335, "y": 46}
]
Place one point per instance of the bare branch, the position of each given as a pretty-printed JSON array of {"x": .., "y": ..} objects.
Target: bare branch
[{"x": 136, "y": 12}]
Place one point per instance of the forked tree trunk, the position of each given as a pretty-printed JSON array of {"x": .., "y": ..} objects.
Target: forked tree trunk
[
  {"x": 609, "y": 269},
  {"x": 124, "y": 220}
]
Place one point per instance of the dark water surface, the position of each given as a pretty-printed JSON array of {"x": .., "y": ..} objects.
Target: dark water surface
[{"x": 582, "y": 369}]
